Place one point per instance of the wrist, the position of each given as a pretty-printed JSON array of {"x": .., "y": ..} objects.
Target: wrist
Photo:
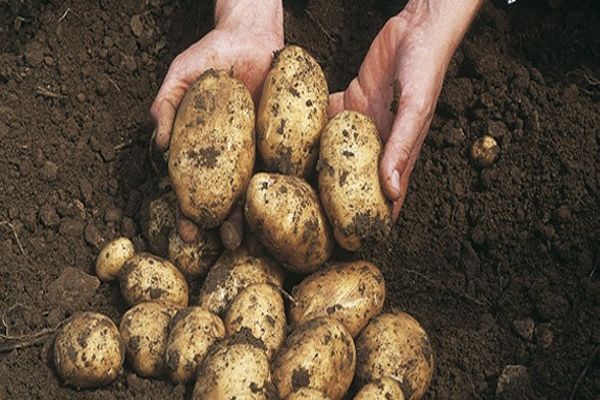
[{"x": 246, "y": 17}]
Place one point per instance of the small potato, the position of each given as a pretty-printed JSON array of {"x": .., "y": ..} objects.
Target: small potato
[
  {"x": 212, "y": 151},
  {"x": 158, "y": 220},
  {"x": 485, "y": 151},
  {"x": 259, "y": 310},
  {"x": 112, "y": 258},
  {"x": 351, "y": 292},
  {"x": 349, "y": 181},
  {"x": 234, "y": 271},
  {"x": 195, "y": 259},
  {"x": 319, "y": 354},
  {"x": 292, "y": 113},
  {"x": 192, "y": 333},
  {"x": 285, "y": 214},
  {"x": 395, "y": 345},
  {"x": 149, "y": 278},
  {"x": 88, "y": 351},
  {"x": 385, "y": 388},
  {"x": 144, "y": 329},
  {"x": 234, "y": 370},
  {"x": 307, "y": 394}
]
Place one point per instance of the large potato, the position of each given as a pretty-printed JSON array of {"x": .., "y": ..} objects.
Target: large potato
[
  {"x": 349, "y": 181},
  {"x": 192, "y": 333},
  {"x": 385, "y": 388},
  {"x": 395, "y": 345},
  {"x": 319, "y": 354},
  {"x": 149, "y": 278},
  {"x": 195, "y": 259},
  {"x": 259, "y": 310},
  {"x": 285, "y": 214},
  {"x": 307, "y": 394},
  {"x": 212, "y": 150},
  {"x": 235, "y": 369},
  {"x": 144, "y": 329},
  {"x": 234, "y": 271},
  {"x": 112, "y": 258},
  {"x": 88, "y": 350},
  {"x": 351, "y": 292},
  {"x": 292, "y": 113}
]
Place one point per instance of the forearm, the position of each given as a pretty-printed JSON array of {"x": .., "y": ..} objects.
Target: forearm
[{"x": 252, "y": 16}]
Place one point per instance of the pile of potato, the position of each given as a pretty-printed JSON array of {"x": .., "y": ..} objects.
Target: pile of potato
[{"x": 244, "y": 336}]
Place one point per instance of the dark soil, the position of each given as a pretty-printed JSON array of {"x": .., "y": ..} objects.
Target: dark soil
[{"x": 499, "y": 265}]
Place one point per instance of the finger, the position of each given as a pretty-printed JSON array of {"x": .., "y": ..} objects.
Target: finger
[
  {"x": 163, "y": 112},
  {"x": 232, "y": 230},
  {"x": 336, "y": 104},
  {"x": 187, "y": 230}
]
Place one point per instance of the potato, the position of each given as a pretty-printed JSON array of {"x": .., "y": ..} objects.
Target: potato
[
  {"x": 285, "y": 214},
  {"x": 259, "y": 310},
  {"x": 351, "y": 292},
  {"x": 234, "y": 271},
  {"x": 485, "y": 151},
  {"x": 192, "y": 333},
  {"x": 149, "y": 278},
  {"x": 88, "y": 350},
  {"x": 235, "y": 369},
  {"x": 159, "y": 218},
  {"x": 349, "y": 181},
  {"x": 195, "y": 259},
  {"x": 144, "y": 329},
  {"x": 385, "y": 388},
  {"x": 212, "y": 150},
  {"x": 306, "y": 394},
  {"x": 319, "y": 354},
  {"x": 395, "y": 345},
  {"x": 292, "y": 113},
  {"x": 112, "y": 258}
]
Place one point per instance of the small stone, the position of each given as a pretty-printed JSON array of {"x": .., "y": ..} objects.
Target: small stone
[
  {"x": 49, "y": 171},
  {"x": 72, "y": 290},
  {"x": 137, "y": 25},
  {"x": 485, "y": 151},
  {"x": 544, "y": 335},
  {"x": 514, "y": 384},
  {"x": 524, "y": 328},
  {"x": 49, "y": 216},
  {"x": 93, "y": 237}
]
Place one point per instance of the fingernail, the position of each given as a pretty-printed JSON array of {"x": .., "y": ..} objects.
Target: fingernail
[{"x": 396, "y": 181}]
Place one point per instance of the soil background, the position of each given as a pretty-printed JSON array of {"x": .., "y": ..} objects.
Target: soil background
[{"x": 475, "y": 251}]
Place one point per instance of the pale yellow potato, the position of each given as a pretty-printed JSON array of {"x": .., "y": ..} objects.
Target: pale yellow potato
[
  {"x": 307, "y": 394},
  {"x": 394, "y": 345},
  {"x": 292, "y": 113},
  {"x": 319, "y": 354},
  {"x": 88, "y": 351},
  {"x": 113, "y": 257},
  {"x": 259, "y": 310},
  {"x": 212, "y": 150},
  {"x": 349, "y": 181},
  {"x": 145, "y": 329},
  {"x": 195, "y": 259},
  {"x": 485, "y": 151},
  {"x": 352, "y": 293},
  {"x": 285, "y": 214},
  {"x": 380, "y": 389},
  {"x": 149, "y": 278}
]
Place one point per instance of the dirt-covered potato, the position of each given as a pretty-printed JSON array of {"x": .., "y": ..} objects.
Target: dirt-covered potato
[
  {"x": 285, "y": 214},
  {"x": 192, "y": 333},
  {"x": 349, "y": 181},
  {"x": 292, "y": 113},
  {"x": 258, "y": 310},
  {"x": 395, "y": 345},
  {"x": 351, "y": 292},
  {"x": 195, "y": 259},
  {"x": 319, "y": 354},
  {"x": 307, "y": 394},
  {"x": 212, "y": 150},
  {"x": 235, "y": 369},
  {"x": 88, "y": 350},
  {"x": 149, "y": 278},
  {"x": 485, "y": 151},
  {"x": 144, "y": 329},
  {"x": 112, "y": 258},
  {"x": 234, "y": 271},
  {"x": 159, "y": 218},
  {"x": 385, "y": 388}
]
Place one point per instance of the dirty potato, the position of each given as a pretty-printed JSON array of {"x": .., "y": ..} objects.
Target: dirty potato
[
  {"x": 292, "y": 113},
  {"x": 385, "y": 388},
  {"x": 149, "y": 278},
  {"x": 144, "y": 329},
  {"x": 351, "y": 292},
  {"x": 159, "y": 218},
  {"x": 285, "y": 214},
  {"x": 212, "y": 148},
  {"x": 195, "y": 259},
  {"x": 395, "y": 345},
  {"x": 349, "y": 181},
  {"x": 319, "y": 354},
  {"x": 88, "y": 351},
  {"x": 307, "y": 394},
  {"x": 112, "y": 258}
]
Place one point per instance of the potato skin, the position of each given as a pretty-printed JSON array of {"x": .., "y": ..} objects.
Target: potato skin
[
  {"x": 292, "y": 113},
  {"x": 307, "y": 394},
  {"x": 145, "y": 329},
  {"x": 88, "y": 351},
  {"x": 149, "y": 278},
  {"x": 195, "y": 259},
  {"x": 113, "y": 257},
  {"x": 319, "y": 354},
  {"x": 395, "y": 345},
  {"x": 349, "y": 181},
  {"x": 352, "y": 293},
  {"x": 385, "y": 388},
  {"x": 212, "y": 150},
  {"x": 259, "y": 310},
  {"x": 285, "y": 214},
  {"x": 158, "y": 220}
]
